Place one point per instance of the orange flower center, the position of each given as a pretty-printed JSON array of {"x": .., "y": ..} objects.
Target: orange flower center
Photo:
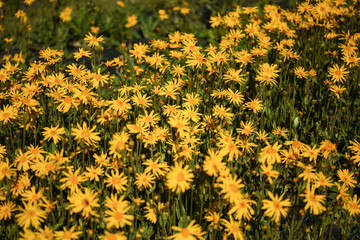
[
  {"x": 98, "y": 78},
  {"x": 85, "y": 202},
  {"x": 338, "y": 73},
  {"x": 22, "y": 159},
  {"x": 68, "y": 100},
  {"x": 354, "y": 206},
  {"x": 118, "y": 216},
  {"x": 181, "y": 177},
  {"x": 50, "y": 167},
  {"x": 116, "y": 180},
  {"x": 277, "y": 205},
  {"x": 67, "y": 234},
  {"x": 6, "y": 115},
  {"x": 74, "y": 179},
  {"x": 233, "y": 188},
  {"x": 312, "y": 198},
  {"x": 185, "y": 232},
  {"x": 31, "y": 213},
  {"x": 271, "y": 151},
  {"x": 77, "y": 71},
  {"x": 85, "y": 134},
  {"x": 179, "y": 125}
]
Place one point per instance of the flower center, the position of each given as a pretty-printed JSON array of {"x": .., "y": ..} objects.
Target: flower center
[
  {"x": 185, "y": 232},
  {"x": 181, "y": 177}
]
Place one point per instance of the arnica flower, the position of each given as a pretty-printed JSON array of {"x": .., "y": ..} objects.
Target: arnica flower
[
  {"x": 93, "y": 41},
  {"x": 156, "y": 168},
  {"x": 65, "y": 15},
  {"x": 145, "y": 180},
  {"x": 118, "y": 217},
  {"x": 338, "y": 74},
  {"x": 269, "y": 172},
  {"x": 178, "y": 178},
  {"x": 113, "y": 236},
  {"x": 270, "y": 154},
  {"x": 346, "y": 177},
  {"x": 150, "y": 213},
  {"x": 352, "y": 204},
  {"x": 6, "y": 209},
  {"x": 30, "y": 215},
  {"x": 7, "y": 114},
  {"x": 313, "y": 201},
  {"x": 84, "y": 203},
  {"x": 85, "y": 134},
  {"x": 68, "y": 234},
  {"x": 118, "y": 144},
  {"x": 276, "y": 207},
  {"x": 213, "y": 163},
  {"x": 191, "y": 232},
  {"x": 53, "y": 133},
  {"x": 233, "y": 228},
  {"x": 116, "y": 180},
  {"x": 231, "y": 187},
  {"x": 131, "y": 21},
  {"x": 242, "y": 208}
]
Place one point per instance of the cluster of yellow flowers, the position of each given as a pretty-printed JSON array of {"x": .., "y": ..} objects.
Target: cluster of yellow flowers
[{"x": 178, "y": 138}]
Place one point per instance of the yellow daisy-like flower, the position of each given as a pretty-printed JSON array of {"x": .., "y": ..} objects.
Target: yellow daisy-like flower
[
  {"x": 191, "y": 232},
  {"x": 53, "y": 133},
  {"x": 84, "y": 203},
  {"x": 145, "y": 180},
  {"x": 313, "y": 201},
  {"x": 276, "y": 207},
  {"x": 338, "y": 74},
  {"x": 93, "y": 41},
  {"x": 85, "y": 134},
  {"x": 353, "y": 205},
  {"x": 270, "y": 154},
  {"x": 179, "y": 179},
  {"x": 30, "y": 215}
]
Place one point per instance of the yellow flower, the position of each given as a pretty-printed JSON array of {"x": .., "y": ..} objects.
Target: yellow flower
[
  {"x": 93, "y": 41},
  {"x": 67, "y": 234},
  {"x": 150, "y": 213},
  {"x": 346, "y": 177},
  {"x": 178, "y": 179},
  {"x": 118, "y": 144},
  {"x": 131, "y": 21},
  {"x": 242, "y": 208},
  {"x": 72, "y": 180},
  {"x": 231, "y": 187},
  {"x": 6, "y": 209},
  {"x": 270, "y": 154},
  {"x": 338, "y": 74},
  {"x": 158, "y": 169},
  {"x": 269, "y": 172},
  {"x": 116, "y": 180},
  {"x": 30, "y": 215},
  {"x": 85, "y": 134},
  {"x": 113, "y": 236},
  {"x": 98, "y": 79},
  {"x": 353, "y": 205},
  {"x": 313, "y": 201},
  {"x": 117, "y": 216},
  {"x": 191, "y": 232},
  {"x": 7, "y": 114},
  {"x": 65, "y": 15},
  {"x": 213, "y": 162},
  {"x": 84, "y": 203},
  {"x": 144, "y": 180},
  {"x": 233, "y": 227},
  {"x": 276, "y": 207},
  {"x": 53, "y": 133}
]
